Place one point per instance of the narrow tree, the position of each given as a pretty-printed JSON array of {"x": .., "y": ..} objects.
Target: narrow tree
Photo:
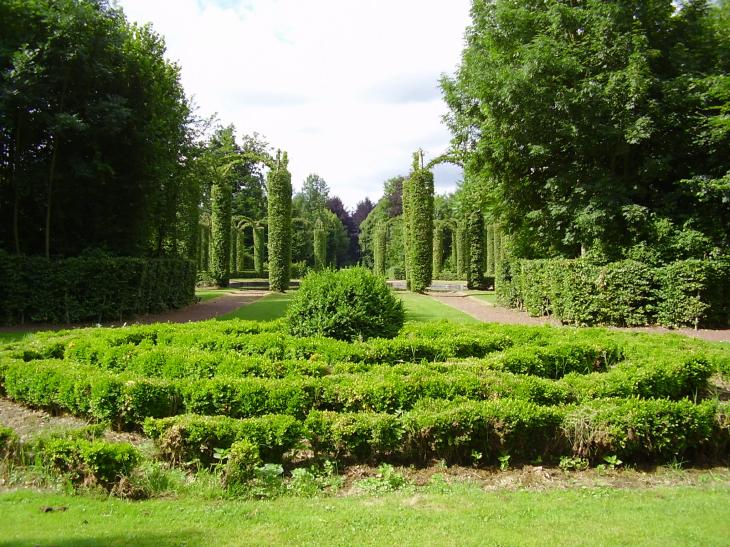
[
  {"x": 320, "y": 245},
  {"x": 381, "y": 237},
  {"x": 475, "y": 240},
  {"x": 280, "y": 233}
]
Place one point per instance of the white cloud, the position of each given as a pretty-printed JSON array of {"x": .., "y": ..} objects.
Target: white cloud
[{"x": 348, "y": 88}]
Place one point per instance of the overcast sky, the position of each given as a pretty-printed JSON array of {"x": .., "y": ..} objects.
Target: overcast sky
[{"x": 349, "y": 88}]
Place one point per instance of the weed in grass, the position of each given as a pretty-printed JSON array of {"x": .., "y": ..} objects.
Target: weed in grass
[{"x": 386, "y": 480}]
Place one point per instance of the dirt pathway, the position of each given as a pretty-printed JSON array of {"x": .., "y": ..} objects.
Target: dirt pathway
[
  {"x": 489, "y": 313},
  {"x": 201, "y": 311}
]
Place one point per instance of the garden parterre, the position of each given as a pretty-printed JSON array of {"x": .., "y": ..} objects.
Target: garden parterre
[{"x": 460, "y": 393}]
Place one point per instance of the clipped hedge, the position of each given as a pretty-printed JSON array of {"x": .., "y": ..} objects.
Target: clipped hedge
[
  {"x": 626, "y": 293},
  {"x": 279, "y": 222},
  {"x": 92, "y": 288},
  {"x": 90, "y": 462},
  {"x": 186, "y": 438}
]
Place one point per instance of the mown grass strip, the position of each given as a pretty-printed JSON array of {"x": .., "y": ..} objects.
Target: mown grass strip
[{"x": 464, "y": 515}]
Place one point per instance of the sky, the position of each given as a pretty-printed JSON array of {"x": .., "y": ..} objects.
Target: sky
[{"x": 349, "y": 88}]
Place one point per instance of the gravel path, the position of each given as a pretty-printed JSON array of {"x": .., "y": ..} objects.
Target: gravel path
[
  {"x": 488, "y": 313},
  {"x": 201, "y": 311}
]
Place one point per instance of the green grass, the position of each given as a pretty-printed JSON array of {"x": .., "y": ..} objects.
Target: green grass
[
  {"x": 486, "y": 296},
  {"x": 209, "y": 294},
  {"x": 464, "y": 515},
  {"x": 420, "y": 307},
  {"x": 271, "y": 306},
  {"x": 13, "y": 336}
]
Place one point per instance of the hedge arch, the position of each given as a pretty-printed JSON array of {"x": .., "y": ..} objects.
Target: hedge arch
[
  {"x": 280, "y": 206},
  {"x": 257, "y": 232}
]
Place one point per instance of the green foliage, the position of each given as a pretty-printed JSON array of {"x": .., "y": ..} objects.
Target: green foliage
[
  {"x": 348, "y": 304},
  {"x": 320, "y": 246},
  {"x": 280, "y": 219},
  {"x": 619, "y": 293},
  {"x": 242, "y": 461},
  {"x": 379, "y": 247},
  {"x": 475, "y": 240},
  {"x": 468, "y": 394},
  {"x": 192, "y": 438},
  {"x": 538, "y": 110},
  {"x": 8, "y": 442},
  {"x": 258, "y": 250},
  {"x": 91, "y": 288},
  {"x": 694, "y": 292},
  {"x": 438, "y": 250},
  {"x": 90, "y": 462},
  {"x": 95, "y": 154},
  {"x": 418, "y": 211}
]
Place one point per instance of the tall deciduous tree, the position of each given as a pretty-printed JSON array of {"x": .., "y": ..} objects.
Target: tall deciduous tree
[{"x": 582, "y": 123}]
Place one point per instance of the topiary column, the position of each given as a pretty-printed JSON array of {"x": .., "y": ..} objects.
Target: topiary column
[
  {"x": 379, "y": 248},
  {"x": 497, "y": 247},
  {"x": 438, "y": 249},
  {"x": 233, "y": 262},
  {"x": 241, "y": 257},
  {"x": 475, "y": 241},
  {"x": 320, "y": 245},
  {"x": 419, "y": 231},
  {"x": 279, "y": 194},
  {"x": 258, "y": 250},
  {"x": 461, "y": 250},
  {"x": 490, "y": 250},
  {"x": 220, "y": 227}
]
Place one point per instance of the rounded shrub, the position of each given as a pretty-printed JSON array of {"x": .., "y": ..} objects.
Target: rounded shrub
[{"x": 347, "y": 305}]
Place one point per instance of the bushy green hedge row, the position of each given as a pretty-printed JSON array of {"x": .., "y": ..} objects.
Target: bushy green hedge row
[
  {"x": 478, "y": 432},
  {"x": 90, "y": 462},
  {"x": 112, "y": 351},
  {"x": 686, "y": 293},
  {"x": 193, "y": 437},
  {"x": 93, "y": 288},
  {"x": 126, "y": 400}
]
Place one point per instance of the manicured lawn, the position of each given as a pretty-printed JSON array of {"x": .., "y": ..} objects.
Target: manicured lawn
[
  {"x": 420, "y": 307},
  {"x": 463, "y": 515},
  {"x": 486, "y": 296},
  {"x": 269, "y": 307},
  {"x": 209, "y": 294}
]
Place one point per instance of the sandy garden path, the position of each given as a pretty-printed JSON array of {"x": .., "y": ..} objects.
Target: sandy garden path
[{"x": 489, "y": 313}]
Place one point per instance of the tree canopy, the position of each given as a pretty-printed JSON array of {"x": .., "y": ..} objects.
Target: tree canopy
[{"x": 597, "y": 126}]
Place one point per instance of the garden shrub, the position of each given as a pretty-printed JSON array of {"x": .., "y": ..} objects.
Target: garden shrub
[
  {"x": 90, "y": 462},
  {"x": 191, "y": 437},
  {"x": 243, "y": 459},
  {"x": 360, "y": 436},
  {"x": 347, "y": 305},
  {"x": 640, "y": 430},
  {"x": 91, "y": 288}
]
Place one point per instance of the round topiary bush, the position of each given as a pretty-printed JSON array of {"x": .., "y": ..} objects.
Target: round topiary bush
[{"x": 347, "y": 305}]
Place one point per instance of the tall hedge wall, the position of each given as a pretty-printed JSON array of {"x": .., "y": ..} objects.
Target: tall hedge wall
[
  {"x": 626, "y": 293},
  {"x": 94, "y": 288},
  {"x": 280, "y": 233}
]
